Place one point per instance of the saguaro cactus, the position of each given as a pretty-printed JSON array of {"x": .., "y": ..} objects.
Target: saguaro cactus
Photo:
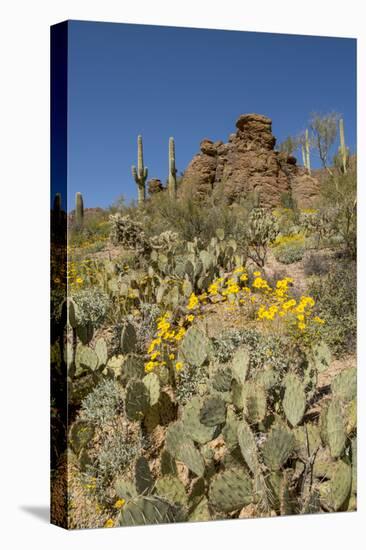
[
  {"x": 307, "y": 151},
  {"x": 140, "y": 174},
  {"x": 343, "y": 148},
  {"x": 79, "y": 210},
  {"x": 172, "y": 170},
  {"x": 57, "y": 203}
]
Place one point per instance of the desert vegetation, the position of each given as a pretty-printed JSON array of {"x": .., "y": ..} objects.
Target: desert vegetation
[{"x": 209, "y": 352}]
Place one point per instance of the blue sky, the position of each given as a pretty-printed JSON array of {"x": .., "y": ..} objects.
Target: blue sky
[{"x": 189, "y": 83}]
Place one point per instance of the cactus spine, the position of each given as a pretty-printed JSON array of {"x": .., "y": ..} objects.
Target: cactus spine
[
  {"x": 172, "y": 170},
  {"x": 343, "y": 149},
  {"x": 140, "y": 174},
  {"x": 79, "y": 210}
]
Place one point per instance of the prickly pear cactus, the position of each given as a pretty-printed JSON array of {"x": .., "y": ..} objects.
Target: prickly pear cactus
[
  {"x": 137, "y": 400},
  {"x": 294, "y": 401},
  {"x": 194, "y": 347},
  {"x": 213, "y": 412},
  {"x": 335, "y": 427},
  {"x": 278, "y": 447},
  {"x": 128, "y": 338},
  {"x": 230, "y": 490}
]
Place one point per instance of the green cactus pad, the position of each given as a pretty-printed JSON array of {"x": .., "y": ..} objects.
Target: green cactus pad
[
  {"x": 294, "y": 401},
  {"x": 335, "y": 492},
  {"x": 322, "y": 356},
  {"x": 149, "y": 511},
  {"x": 137, "y": 400},
  {"x": 221, "y": 380},
  {"x": 213, "y": 412},
  {"x": 85, "y": 359},
  {"x": 191, "y": 457},
  {"x": 128, "y": 338},
  {"x": 344, "y": 385},
  {"x": 278, "y": 447},
  {"x": 132, "y": 367},
  {"x": 307, "y": 440},
  {"x": 194, "y": 347},
  {"x": 237, "y": 397},
  {"x": 267, "y": 378},
  {"x": 172, "y": 489},
  {"x": 101, "y": 351},
  {"x": 85, "y": 333},
  {"x": 230, "y": 490},
  {"x": 152, "y": 384},
  {"x": 125, "y": 488},
  {"x": 151, "y": 418},
  {"x": 336, "y": 433},
  {"x": 230, "y": 430},
  {"x": 143, "y": 478},
  {"x": 240, "y": 364},
  {"x": 81, "y": 433},
  {"x": 255, "y": 402},
  {"x": 168, "y": 465},
  {"x": 175, "y": 435},
  {"x": 197, "y": 431},
  {"x": 248, "y": 447},
  {"x": 201, "y": 512}
]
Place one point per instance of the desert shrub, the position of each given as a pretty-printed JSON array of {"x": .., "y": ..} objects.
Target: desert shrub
[
  {"x": 92, "y": 305},
  {"x": 316, "y": 264},
  {"x": 103, "y": 403},
  {"x": 188, "y": 381},
  {"x": 265, "y": 349},
  {"x": 335, "y": 295},
  {"x": 290, "y": 253},
  {"x": 95, "y": 228}
]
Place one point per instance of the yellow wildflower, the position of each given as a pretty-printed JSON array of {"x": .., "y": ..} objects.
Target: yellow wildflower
[
  {"x": 171, "y": 356},
  {"x": 119, "y": 503},
  {"x": 257, "y": 273},
  {"x": 243, "y": 277},
  {"x": 193, "y": 301},
  {"x": 319, "y": 320},
  {"x": 79, "y": 280},
  {"x": 109, "y": 523},
  {"x": 178, "y": 366},
  {"x": 190, "y": 318}
]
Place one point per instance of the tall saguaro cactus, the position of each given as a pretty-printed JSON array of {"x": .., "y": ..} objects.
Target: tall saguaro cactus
[
  {"x": 79, "y": 210},
  {"x": 140, "y": 174},
  {"x": 343, "y": 148},
  {"x": 172, "y": 170},
  {"x": 307, "y": 151}
]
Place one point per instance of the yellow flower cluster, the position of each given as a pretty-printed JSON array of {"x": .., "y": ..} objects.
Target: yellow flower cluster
[
  {"x": 270, "y": 304},
  {"x": 162, "y": 349},
  {"x": 283, "y": 240}
]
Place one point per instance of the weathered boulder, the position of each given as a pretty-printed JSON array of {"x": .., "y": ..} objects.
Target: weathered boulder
[{"x": 248, "y": 164}]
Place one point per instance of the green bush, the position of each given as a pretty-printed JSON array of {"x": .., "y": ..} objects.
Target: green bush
[
  {"x": 289, "y": 253},
  {"x": 335, "y": 296},
  {"x": 103, "y": 403},
  {"x": 92, "y": 305}
]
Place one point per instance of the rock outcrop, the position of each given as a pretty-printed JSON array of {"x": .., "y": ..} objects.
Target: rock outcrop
[{"x": 249, "y": 165}]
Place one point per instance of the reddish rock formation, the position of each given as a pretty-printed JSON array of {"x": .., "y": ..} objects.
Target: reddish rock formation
[{"x": 248, "y": 164}]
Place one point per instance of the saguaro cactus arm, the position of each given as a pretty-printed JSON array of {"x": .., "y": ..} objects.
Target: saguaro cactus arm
[{"x": 140, "y": 173}]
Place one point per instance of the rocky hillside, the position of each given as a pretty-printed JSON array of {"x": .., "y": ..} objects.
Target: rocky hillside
[{"x": 247, "y": 164}]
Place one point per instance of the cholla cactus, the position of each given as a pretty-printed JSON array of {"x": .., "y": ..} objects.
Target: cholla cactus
[
  {"x": 140, "y": 173},
  {"x": 128, "y": 233},
  {"x": 165, "y": 240},
  {"x": 172, "y": 170},
  {"x": 261, "y": 232}
]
